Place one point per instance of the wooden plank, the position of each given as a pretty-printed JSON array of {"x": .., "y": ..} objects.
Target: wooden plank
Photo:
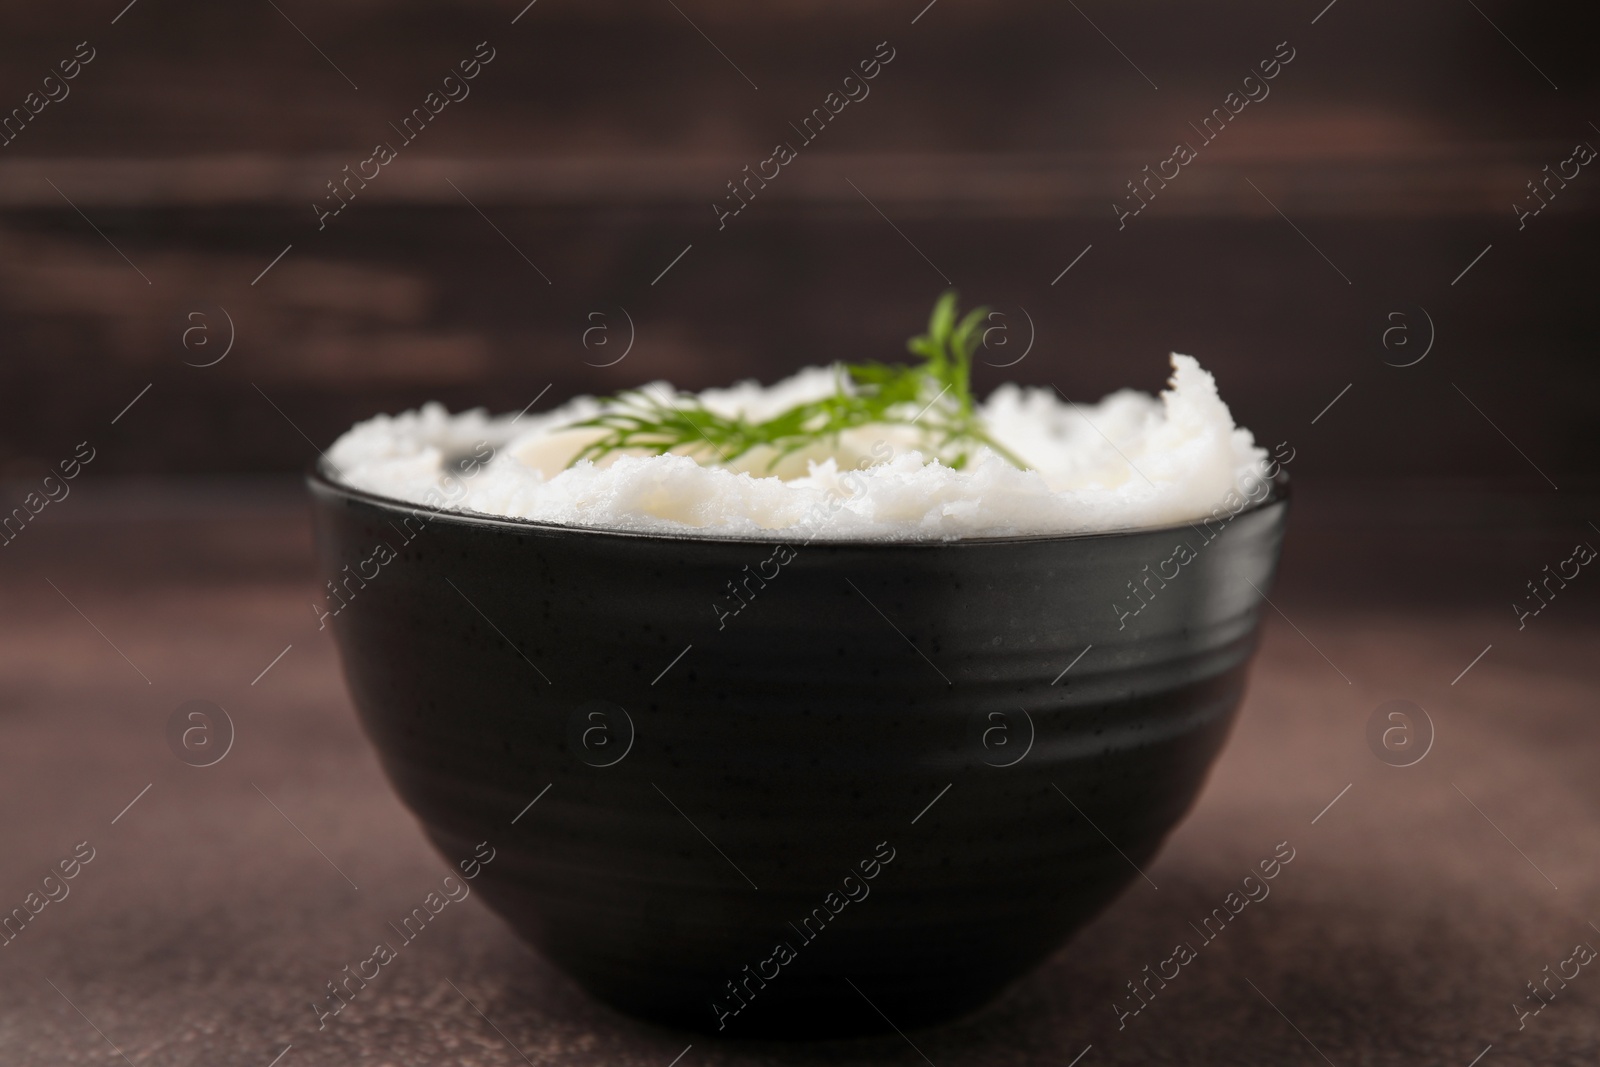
[{"x": 1427, "y": 181}]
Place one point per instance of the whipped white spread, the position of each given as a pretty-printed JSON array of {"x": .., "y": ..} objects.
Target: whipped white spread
[{"x": 1130, "y": 460}]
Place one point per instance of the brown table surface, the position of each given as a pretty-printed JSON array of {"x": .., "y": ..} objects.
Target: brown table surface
[{"x": 1417, "y": 906}]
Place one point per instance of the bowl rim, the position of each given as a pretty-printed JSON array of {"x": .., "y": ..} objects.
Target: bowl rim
[{"x": 317, "y": 477}]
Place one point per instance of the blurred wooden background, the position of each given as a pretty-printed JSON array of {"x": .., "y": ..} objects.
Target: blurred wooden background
[{"x": 591, "y": 149}]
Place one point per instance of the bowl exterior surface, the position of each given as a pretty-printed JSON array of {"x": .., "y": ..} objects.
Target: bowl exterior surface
[{"x": 785, "y": 788}]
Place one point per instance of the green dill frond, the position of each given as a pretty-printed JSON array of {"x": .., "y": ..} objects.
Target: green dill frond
[{"x": 934, "y": 397}]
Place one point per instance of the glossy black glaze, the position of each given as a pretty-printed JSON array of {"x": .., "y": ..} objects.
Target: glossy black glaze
[{"x": 702, "y": 804}]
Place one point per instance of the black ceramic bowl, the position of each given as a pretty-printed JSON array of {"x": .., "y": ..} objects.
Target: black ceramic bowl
[{"x": 891, "y": 782}]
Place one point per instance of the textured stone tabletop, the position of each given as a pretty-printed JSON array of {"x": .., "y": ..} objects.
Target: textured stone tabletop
[{"x": 219, "y": 900}]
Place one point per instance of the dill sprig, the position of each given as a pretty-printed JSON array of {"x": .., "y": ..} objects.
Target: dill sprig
[{"x": 934, "y": 397}]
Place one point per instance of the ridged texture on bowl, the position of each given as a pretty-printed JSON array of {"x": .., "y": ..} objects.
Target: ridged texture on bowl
[{"x": 793, "y": 741}]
